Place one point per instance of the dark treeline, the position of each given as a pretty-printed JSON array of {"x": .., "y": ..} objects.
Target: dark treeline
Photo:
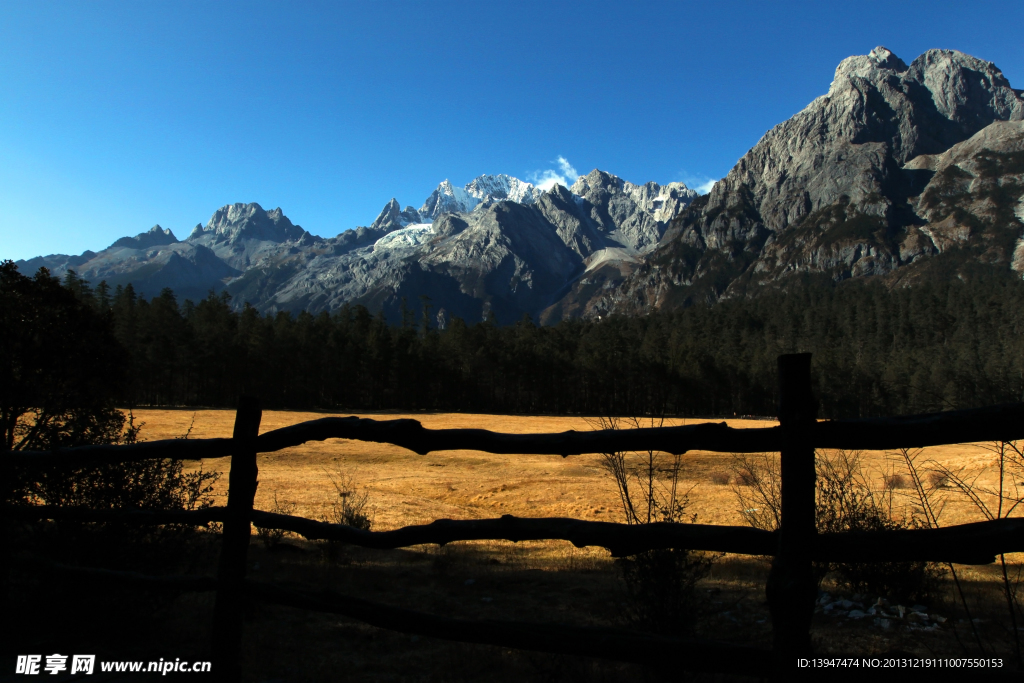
[{"x": 932, "y": 346}]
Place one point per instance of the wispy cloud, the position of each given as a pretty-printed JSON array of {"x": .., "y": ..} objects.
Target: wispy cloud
[
  {"x": 704, "y": 188},
  {"x": 699, "y": 182},
  {"x": 565, "y": 175}
]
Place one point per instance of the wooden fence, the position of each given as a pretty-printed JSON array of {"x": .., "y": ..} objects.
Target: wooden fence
[{"x": 791, "y": 586}]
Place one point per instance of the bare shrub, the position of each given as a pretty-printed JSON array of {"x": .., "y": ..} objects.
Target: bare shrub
[
  {"x": 348, "y": 507},
  {"x": 660, "y": 584},
  {"x": 844, "y": 501},
  {"x": 745, "y": 476},
  {"x": 758, "y": 488},
  {"x": 1000, "y": 502}
]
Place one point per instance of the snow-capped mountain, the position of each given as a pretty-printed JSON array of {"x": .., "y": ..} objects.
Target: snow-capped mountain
[
  {"x": 493, "y": 188},
  {"x": 497, "y": 244},
  {"x": 480, "y": 191}
]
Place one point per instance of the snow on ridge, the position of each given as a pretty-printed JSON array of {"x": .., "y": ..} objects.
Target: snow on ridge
[
  {"x": 503, "y": 187},
  {"x": 409, "y": 236},
  {"x": 464, "y": 198}
]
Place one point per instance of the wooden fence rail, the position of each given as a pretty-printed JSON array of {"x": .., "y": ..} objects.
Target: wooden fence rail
[
  {"x": 976, "y": 543},
  {"x": 791, "y": 586},
  {"x": 994, "y": 423}
]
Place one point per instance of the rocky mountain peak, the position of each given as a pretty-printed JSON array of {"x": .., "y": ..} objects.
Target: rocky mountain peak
[
  {"x": 876, "y": 116},
  {"x": 154, "y": 237},
  {"x": 596, "y": 180},
  {"x": 966, "y": 91},
  {"x": 885, "y": 59},
  {"x": 481, "y": 191},
  {"x": 233, "y": 214},
  {"x": 869, "y": 66},
  {"x": 447, "y": 199},
  {"x": 662, "y": 202},
  {"x": 391, "y": 213},
  {"x": 392, "y": 217},
  {"x": 238, "y": 221}
]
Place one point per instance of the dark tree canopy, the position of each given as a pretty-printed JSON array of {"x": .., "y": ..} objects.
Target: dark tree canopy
[
  {"x": 939, "y": 344},
  {"x": 61, "y": 367}
]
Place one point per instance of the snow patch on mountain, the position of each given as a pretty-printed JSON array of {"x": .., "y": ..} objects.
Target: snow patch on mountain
[{"x": 410, "y": 236}]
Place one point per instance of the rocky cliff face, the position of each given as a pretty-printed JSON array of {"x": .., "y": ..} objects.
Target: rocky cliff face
[
  {"x": 632, "y": 215},
  {"x": 974, "y": 200},
  {"x": 831, "y": 190}
]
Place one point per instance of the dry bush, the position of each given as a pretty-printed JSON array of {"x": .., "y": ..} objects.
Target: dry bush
[
  {"x": 894, "y": 481},
  {"x": 347, "y": 507},
  {"x": 720, "y": 478},
  {"x": 660, "y": 584},
  {"x": 1003, "y": 501},
  {"x": 844, "y": 501},
  {"x": 745, "y": 476},
  {"x": 149, "y": 484},
  {"x": 758, "y": 488}
]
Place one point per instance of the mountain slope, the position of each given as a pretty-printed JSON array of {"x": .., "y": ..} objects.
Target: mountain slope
[{"x": 832, "y": 189}]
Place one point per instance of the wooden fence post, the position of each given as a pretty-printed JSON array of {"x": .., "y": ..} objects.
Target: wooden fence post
[
  {"x": 791, "y": 586},
  {"x": 228, "y": 610}
]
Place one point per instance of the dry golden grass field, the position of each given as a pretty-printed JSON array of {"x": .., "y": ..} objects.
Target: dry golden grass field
[{"x": 406, "y": 488}]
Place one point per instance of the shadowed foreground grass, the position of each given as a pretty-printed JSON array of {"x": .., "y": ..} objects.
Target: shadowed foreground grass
[{"x": 534, "y": 581}]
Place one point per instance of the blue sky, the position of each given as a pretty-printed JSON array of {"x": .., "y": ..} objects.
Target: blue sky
[{"x": 115, "y": 116}]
